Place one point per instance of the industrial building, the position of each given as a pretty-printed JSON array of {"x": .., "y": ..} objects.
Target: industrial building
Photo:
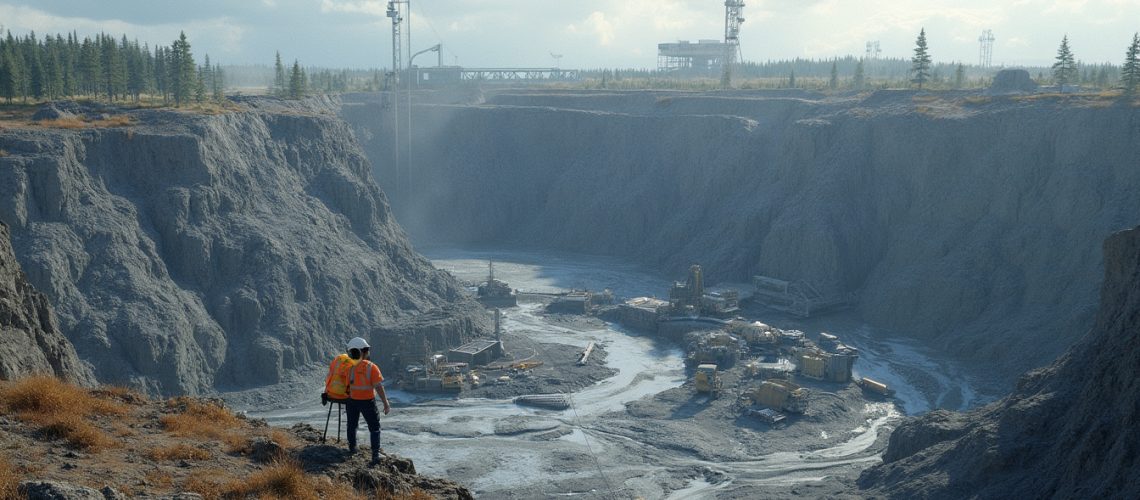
[
  {"x": 700, "y": 57},
  {"x": 477, "y": 352}
]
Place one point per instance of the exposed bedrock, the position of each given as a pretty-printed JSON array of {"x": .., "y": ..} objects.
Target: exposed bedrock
[
  {"x": 970, "y": 222},
  {"x": 1067, "y": 431},
  {"x": 30, "y": 340},
  {"x": 188, "y": 253}
]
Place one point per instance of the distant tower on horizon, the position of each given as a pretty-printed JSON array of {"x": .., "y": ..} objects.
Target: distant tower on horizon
[
  {"x": 986, "y": 49},
  {"x": 733, "y": 18}
]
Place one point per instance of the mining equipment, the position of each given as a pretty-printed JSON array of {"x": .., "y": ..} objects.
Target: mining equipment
[
  {"x": 494, "y": 293},
  {"x": 780, "y": 395},
  {"x": 797, "y": 297},
  {"x": 875, "y": 387},
  {"x": 551, "y": 401},
  {"x": 717, "y": 347},
  {"x": 707, "y": 380}
]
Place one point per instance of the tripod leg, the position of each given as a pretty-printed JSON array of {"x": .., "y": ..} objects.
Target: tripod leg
[
  {"x": 327, "y": 417},
  {"x": 338, "y": 407}
]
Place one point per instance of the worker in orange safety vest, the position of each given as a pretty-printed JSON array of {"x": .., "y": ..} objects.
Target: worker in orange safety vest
[{"x": 364, "y": 383}]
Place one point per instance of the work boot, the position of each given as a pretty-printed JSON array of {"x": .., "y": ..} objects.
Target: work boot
[
  {"x": 351, "y": 443},
  {"x": 374, "y": 438}
]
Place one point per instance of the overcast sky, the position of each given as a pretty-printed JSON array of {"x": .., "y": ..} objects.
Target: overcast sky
[{"x": 592, "y": 33}]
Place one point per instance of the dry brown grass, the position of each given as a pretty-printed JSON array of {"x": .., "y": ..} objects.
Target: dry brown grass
[
  {"x": 9, "y": 480},
  {"x": 207, "y": 482},
  {"x": 157, "y": 478},
  {"x": 3, "y": 152},
  {"x": 114, "y": 121},
  {"x": 281, "y": 480},
  {"x": 977, "y": 99},
  {"x": 64, "y": 123},
  {"x": 180, "y": 451},
  {"x": 45, "y": 394},
  {"x": 416, "y": 494},
  {"x": 200, "y": 419},
  {"x": 60, "y": 410},
  {"x": 75, "y": 430}
]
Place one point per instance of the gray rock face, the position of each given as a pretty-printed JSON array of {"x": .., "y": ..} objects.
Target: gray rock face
[
  {"x": 189, "y": 253},
  {"x": 30, "y": 339},
  {"x": 1067, "y": 431},
  {"x": 974, "y": 228}
]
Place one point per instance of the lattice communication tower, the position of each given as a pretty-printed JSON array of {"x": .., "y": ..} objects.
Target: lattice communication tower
[
  {"x": 986, "y": 49},
  {"x": 733, "y": 18}
]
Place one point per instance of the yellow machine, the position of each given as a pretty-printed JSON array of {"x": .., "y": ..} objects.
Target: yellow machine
[
  {"x": 453, "y": 379},
  {"x": 780, "y": 395},
  {"x": 706, "y": 379}
]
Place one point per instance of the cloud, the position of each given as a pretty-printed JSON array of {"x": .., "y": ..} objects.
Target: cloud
[
  {"x": 368, "y": 7},
  {"x": 601, "y": 27}
]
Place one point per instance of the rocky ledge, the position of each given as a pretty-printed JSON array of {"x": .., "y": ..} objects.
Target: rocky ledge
[{"x": 1067, "y": 431}]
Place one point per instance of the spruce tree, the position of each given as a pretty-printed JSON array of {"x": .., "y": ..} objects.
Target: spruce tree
[
  {"x": 860, "y": 78},
  {"x": 920, "y": 63},
  {"x": 1065, "y": 69},
  {"x": 960, "y": 76},
  {"x": 792, "y": 79},
  {"x": 833, "y": 83},
  {"x": 279, "y": 86},
  {"x": 182, "y": 70},
  {"x": 296, "y": 82},
  {"x": 8, "y": 70},
  {"x": 218, "y": 83},
  {"x": 1130, "y": 71}
]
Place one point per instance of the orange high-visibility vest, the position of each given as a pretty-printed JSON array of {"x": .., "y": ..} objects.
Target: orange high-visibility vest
[
  {"x": 336, "y": 384},
  {"x": 363, "y": 379}
]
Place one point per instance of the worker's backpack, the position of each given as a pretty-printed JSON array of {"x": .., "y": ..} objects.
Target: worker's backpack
[{"x": 336, "y": 385}]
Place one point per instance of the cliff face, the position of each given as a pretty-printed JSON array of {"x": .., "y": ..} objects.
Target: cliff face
[
  {"x": 30, "y": 340},
  {"x": 190, "y": 252},
  {"x": 1068, "y": 431},
  {"x": 958, "y": 220}
]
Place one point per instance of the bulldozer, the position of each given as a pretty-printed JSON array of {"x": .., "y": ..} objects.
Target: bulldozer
[{"x": 707, "y": 380}]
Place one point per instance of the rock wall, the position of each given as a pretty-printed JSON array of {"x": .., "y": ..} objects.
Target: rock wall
[
  {"x": 187, "y": 253},
  {"x": 30, "y": 340},
  {"x": 967, "y": 221},
  {"x": 1067, "y": 431}
]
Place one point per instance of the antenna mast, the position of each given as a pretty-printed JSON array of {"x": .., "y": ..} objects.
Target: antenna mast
[{"x": 397, "y": 65}]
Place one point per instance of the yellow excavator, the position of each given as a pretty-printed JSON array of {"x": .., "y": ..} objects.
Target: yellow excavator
[{"x": 707, "y": 380}]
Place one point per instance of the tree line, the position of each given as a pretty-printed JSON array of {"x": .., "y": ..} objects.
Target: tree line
[
  {"x": 104, "y": 68},
  {"x": 1065, "y": 71}
]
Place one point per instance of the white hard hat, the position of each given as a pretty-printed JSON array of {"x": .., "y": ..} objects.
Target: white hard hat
[{"x": 357, "y": 343}]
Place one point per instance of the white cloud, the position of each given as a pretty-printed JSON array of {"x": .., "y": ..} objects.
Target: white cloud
[
  {"x": 601, "y": 27},
  {"x": 368, "y": 7}
]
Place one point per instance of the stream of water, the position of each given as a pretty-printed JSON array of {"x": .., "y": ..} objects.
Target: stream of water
[{"x": 441, "y": 443}]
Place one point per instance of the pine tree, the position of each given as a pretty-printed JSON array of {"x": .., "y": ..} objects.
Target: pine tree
[
  {"x": 1130, "y": 71},
  {"x": 182, "y": 71},
  {"x": 8, "y": 73},
  {"x": 1065, "y": 69},
  {"x": 960, "y": 76},
  {"x": 860, "y": 78},
  {"x": 218, "y": 83},
  {"x": 296, "y": 82},
  {"x": 833, "y": 83},
  {"x": 279, "y": 86},
  {"x": 90, "y": 67},
  {"x": 920, "y": 63}
]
